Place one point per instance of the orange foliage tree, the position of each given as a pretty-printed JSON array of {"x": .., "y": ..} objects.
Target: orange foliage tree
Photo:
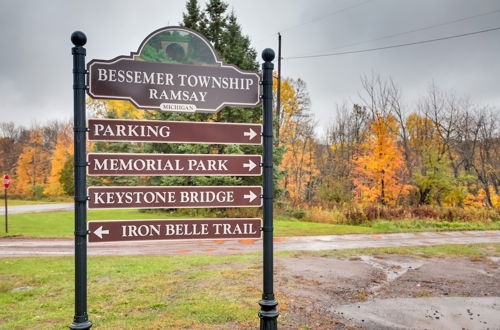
[
  {"x": 379, "y": 164},
  {"x": 297, "y": 139},
  {"x": 62, "y": 151},
  {"x": 32, "y": 167}
]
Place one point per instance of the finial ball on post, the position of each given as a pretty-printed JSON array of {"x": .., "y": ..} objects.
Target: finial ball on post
[
  {"x": 78, "y": 38},
  {"x": 268, "y": 54}
]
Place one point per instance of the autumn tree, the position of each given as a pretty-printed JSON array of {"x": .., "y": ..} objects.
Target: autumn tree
[
  {"x": 12, "y": 139},
  {"x": 382, "y": 96},
  {"x": 32, "y": 167},
  {"x": 335, "y": 156},
  {"x": 379, "y": 165},
  {"x": 298, "y": 142},
  {"x": 486, "y": 157},
  {"x": 111, "y": 109},
  {"x": 62, "y": 151}
]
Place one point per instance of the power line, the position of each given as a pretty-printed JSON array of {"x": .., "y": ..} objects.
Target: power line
[
  {"x": 394, "y": 46},
  {"x": 322, "y": 17},
  {"x": 414, "y": 30},
  {"x": 327, "y": 15}
]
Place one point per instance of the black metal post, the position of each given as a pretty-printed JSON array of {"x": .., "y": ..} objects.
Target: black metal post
[
  {"x": 80, "y": 320},
  {"x": 268, "y": 313},
  {"x": 6, "y": 213}
]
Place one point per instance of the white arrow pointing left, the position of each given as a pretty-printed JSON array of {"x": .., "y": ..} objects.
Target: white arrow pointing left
[
  {"x": 99, "y": 232},
  {"x": 251, "y": 196},
  {"x": 251, "y": 165},
  {"x": 250, "y": 133}
]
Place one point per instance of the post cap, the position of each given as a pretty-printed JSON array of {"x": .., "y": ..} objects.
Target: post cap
[
  {"x": 268, "y": 54},
  {"x": 78, "y": 38}
]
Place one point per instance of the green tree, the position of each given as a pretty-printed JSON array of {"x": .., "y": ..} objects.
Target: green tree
[
  {"x": 194, "y": 18},
  {"x": 436, "y": 181},
  {"x": 67, "y": 176},
  {"x": 215, "y": 22},
  {"x": 234, "y": 48}
]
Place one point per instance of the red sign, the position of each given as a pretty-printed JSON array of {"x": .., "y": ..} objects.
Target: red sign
[
  {"x": 174, "y": 197},
  {"x": 6, "y": 181},
  {"x": 173, "y": 131},
  {"x": 173, "y": 164},
  {"x": 173, "y": 229}
]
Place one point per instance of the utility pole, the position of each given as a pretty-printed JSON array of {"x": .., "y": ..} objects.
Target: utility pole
[
  {"x": 268, "y": 313},
  {"x": 278, "y": 93}
]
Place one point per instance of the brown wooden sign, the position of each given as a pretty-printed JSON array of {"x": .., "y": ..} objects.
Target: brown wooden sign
[
  {"x": 174, "y": 70},
  {"x": 173, "y": 164},
  {"x": 173, "y": 131},
  {"x": 174, "y": 197},
  {"x": 173, "y": 229}
]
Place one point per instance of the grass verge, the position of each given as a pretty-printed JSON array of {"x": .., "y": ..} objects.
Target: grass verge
[
  {"x": 200, "y": 292},
  {"x": 60, "y": 224},
  {"x": 481, "y": 250}
]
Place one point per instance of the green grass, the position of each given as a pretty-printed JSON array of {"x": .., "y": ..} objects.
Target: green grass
[
  {"x": 201, "y": 292},
  {"x": 286, "y": 226},
  {"x": 133, "y": 292},
  {"x": 416, "y": 225},
  {"x": 61, "y": 224},
  {"x": 480, "y": 250}
]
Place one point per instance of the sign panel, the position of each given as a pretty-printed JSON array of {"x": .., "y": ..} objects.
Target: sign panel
[
  {"x": 173, "y": 164},
  {"x": 174, "y": 197},
  {"x": 173, "y": 229},
  {"x": 175, "y": 70},
  {"x": 173, "y": 131},
  {"x": 6, "y": 181}
]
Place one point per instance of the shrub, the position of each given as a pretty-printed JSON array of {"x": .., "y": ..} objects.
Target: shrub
[
  {"x": 37, "y": 192},
  {"x": 295, "y": 213},
  {"x": 354, "y": 216},
  {"x": 319, "y": 214},
  {"x": 424, "y": 212},
  {"x": 373, "y": 212}
]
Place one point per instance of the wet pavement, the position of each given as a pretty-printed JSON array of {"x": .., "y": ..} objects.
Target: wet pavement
[
  {"x": 46, "y": 247},
  {"x": 425, "y": 313},
  {"x": 36, "y": 208}
]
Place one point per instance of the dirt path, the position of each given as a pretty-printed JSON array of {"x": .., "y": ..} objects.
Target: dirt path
[{"x": 389, "y": 292}]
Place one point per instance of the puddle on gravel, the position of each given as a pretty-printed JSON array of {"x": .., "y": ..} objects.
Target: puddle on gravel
[{"x": 392, "y": 269}]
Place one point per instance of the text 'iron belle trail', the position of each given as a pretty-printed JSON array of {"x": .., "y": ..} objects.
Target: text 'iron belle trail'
[{"x": 173, "y": 229}]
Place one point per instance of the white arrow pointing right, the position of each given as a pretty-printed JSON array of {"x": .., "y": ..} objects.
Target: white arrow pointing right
[
  {"x": 250, "y": 133},
  {"x": 251, "y": 165},
  {"x": 251, "y": 196},
  {"x": 99, "y": 232}
]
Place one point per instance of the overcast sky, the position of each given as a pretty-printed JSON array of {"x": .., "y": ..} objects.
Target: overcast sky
[{"x": 36, "y": 64}]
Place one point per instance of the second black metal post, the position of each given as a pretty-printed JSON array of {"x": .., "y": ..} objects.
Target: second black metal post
[{"x": 268, "y": 313}]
